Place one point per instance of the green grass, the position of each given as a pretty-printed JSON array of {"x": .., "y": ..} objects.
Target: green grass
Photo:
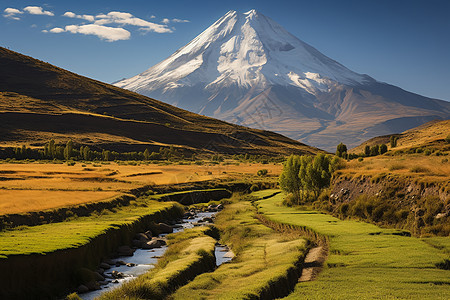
[
  {"x": 264, "y": 259},
  {"x": 76, "y": 232},
  {"x": 365, "y": 261},
  {"x": 190, "y": 252}
]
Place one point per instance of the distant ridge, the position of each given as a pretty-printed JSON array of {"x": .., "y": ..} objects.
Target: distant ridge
[
  {"x": 247, "y": 69},
  {"x": 39, "y": 101}
]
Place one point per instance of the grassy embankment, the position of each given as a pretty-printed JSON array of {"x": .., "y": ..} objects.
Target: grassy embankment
[
  {"x": 409, "y": 191},
  {"x": 190, "y": 253},
  {"x": 365, "y": 261},
  {"x": 50, "y": 258},
  {"x": 266, "y": 263},
  {"x": 76, "y": 232}
]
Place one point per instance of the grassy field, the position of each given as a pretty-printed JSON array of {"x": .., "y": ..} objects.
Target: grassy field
[
  {"x": 28, "y": 187},
  {"x": 190, "y": 252},
  {"x": 19, "y": 201},
  {"x": 264, "y": 260},
  {"x": 365, "y": 261},
  {"x": 72, "y": 233},
  {"x": 433, "y": 169}
]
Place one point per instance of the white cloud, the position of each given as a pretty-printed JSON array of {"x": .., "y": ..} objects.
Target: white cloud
[
  {"x": 56, "y": 30},
  {"x": 180, "y": 21},
  {"x": 11, "y": 13},
  {"x": 165, "y": 21},
  {"x": 109, "y": 34},
  {"x": 70, "y": 14},
  {"x": 37, "y": 10},
  {"x": 116, "y": 17},
  {"x": 45, "y": 31}
]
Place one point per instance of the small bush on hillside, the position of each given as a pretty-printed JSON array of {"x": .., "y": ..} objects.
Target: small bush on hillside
[
  {"x": 444, "y": 265},
  {"x": 447, "y": 139},
  {"x": 254, "y": 188},
  {"x": 262, "y": 172},
  {"x": 396, "y": 166},
  {"x": 419, "y": 169}
]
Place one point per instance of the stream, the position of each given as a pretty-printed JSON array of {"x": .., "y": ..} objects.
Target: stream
[{"x": 144, "y": 260}]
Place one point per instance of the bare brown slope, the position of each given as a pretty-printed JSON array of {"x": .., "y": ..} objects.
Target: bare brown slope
[
  {"x": 431, "y": 134},
  {"x": 40, "y": 101}
]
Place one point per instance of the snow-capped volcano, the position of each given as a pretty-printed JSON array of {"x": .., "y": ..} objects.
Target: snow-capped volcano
[{"x": 247, "y": 69}]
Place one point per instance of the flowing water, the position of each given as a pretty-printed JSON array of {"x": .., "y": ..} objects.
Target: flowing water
[{"x": 145, "y": 260}]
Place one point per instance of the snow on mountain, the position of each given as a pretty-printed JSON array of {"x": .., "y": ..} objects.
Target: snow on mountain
[
  {"x": 246, "y": 49},
  {"x": 247, "y": 69}
]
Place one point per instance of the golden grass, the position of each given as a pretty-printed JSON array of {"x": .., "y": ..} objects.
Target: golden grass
[
  {"x": 432, "y": 168},
  {"x": 431, "y": 134},
  {"x": 34, "y": 187},
  {"x": 20, "y": 201}
]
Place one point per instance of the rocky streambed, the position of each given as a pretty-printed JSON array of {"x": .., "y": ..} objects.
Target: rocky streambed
[{"x": 143, "y": 255}]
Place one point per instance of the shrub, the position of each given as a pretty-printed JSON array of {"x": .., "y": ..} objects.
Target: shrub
[
  {"x": 262, "y": 172},
  {"x": 254, "y": 188},
  {"x": 396, "y": 166},
  {"x": 444, "y": 265},
  {"x": 393, "y": 141},
  {"x": 447, "y": 139},
  {"x": 419, "y": 169}
]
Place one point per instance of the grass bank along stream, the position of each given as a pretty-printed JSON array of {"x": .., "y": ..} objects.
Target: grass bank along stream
[
  {"x": 190, "y": 253},
  {"x": 267, "y": 263},
  {"x": 42, "y": 261},
  {"x": 366, "y": 261}
]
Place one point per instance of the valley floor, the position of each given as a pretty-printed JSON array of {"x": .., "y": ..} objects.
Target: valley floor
[
  {"x": 365, "y": 261},
  {"x": 27, "y": 187}
]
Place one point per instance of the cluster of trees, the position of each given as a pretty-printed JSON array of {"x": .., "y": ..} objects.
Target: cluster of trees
[
  {"x": 375, "y": 150},
  {"x": 67, "y": 151},
  {"x": 341, "y": 150},
  {"x": 305, "y": 175}
]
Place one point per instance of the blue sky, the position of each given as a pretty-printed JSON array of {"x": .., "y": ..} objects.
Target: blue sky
[{"x": 401, "y": 42}]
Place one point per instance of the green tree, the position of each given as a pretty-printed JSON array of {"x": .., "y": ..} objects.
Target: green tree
[
  {"x": 68, "y": 150},
  {"x": 146, "y": 154},
  {"x": 383, "y": 148},
  {"x": 375, "y": 150},
  {"x": 52, "y": 149},
  {"x": 393, "y": 140},
  {"x": 367, "y": 150},
  {"x": 289, "y": 180},
  {"x": 87, "y": 153},
  {"x": 341, "y": 150},
  {"x": 106, "y": 154}
]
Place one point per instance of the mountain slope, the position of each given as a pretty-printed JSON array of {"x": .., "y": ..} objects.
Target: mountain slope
[
  {"x": 39, "y": 101},
  {"x": 431, "y": 135},
  {"x": 247, "y": 69}
]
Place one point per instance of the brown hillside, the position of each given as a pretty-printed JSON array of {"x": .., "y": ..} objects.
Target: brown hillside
[
  {"x": 431, "y": 134},
  {"x": 39, "y": 101}
]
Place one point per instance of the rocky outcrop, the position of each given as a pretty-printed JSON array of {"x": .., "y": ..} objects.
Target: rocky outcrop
[
  {"x": 347, "y": 189},
  {"x": 401, "y": 202}
]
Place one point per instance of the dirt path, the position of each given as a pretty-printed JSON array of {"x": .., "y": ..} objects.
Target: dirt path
[{"x": 313, "y": 263}]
